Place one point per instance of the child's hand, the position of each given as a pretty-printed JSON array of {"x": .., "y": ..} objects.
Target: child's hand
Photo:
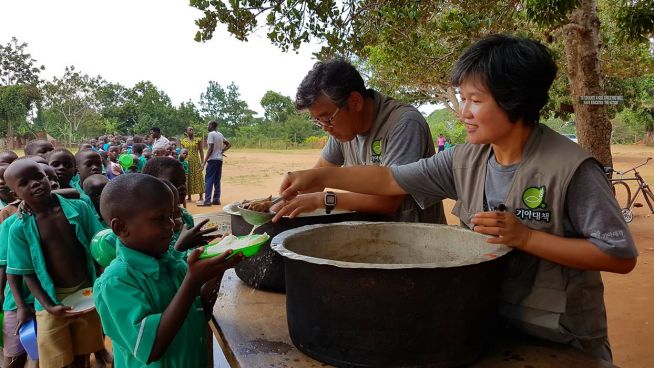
[
  {"x": 505, "y": 225},
  {"x": 23, "y": 315},
  {"x": 194, "y": 237},
  {"x": 201, "y": 271},
  {"x": 59, "y": 310}
]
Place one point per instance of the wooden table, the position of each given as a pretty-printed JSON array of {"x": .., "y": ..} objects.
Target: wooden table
[{"x": 250, "y": 326}]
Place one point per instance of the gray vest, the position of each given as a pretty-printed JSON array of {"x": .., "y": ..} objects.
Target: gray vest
[
  {"x": 542, "y": 298},
  {"x": 388, "y": 113}
]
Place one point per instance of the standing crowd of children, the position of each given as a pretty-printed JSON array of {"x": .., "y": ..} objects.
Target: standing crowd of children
[{"x": 154, "y": 299}]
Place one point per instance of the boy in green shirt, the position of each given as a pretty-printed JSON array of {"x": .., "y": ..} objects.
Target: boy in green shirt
[
  {"x": 153, "y": 305},
  {"x": 49, "y": 247},
  {"x": 18, "y": 305}
]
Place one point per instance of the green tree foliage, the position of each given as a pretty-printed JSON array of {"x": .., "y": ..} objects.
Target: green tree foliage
[
  {"x": 15, "y": 103},
  {"x": 70, "y": 104},
  {"x": 225, "y": 107},
  {"x": 277, "y": 107},
  {"x": 444, "y": 121},
  {"x": 19, "y": 77},
  {"x": 408, "y": 47},
  {"x": 17, "y": 66}
]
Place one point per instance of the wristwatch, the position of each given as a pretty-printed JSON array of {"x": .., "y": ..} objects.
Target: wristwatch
[{"x": 330, "y": 202}]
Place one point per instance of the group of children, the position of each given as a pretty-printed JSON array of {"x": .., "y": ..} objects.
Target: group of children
[
  {"x": 155, "y": 297},
  {"x": 140, "y": 149}
]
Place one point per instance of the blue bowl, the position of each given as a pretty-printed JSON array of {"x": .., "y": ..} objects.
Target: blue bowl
[{"x": 27, "y": 334}]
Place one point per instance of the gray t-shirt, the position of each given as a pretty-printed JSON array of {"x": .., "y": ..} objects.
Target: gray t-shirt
[
  {"x": 217, "y": 139},
  {"x": 406, "y": 143},
  {"x": 591, "y": 211}
]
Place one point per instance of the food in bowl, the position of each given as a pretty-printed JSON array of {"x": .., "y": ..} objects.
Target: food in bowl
[{"x": 258, "y": 205}]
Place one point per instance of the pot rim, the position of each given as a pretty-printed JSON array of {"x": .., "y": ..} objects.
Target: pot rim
[{"x": 277, "y": 244}]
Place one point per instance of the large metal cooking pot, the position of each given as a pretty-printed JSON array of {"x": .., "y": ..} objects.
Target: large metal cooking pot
[
  {"x": 266, "y": 269},
  {"x": 390, "y": 294}
]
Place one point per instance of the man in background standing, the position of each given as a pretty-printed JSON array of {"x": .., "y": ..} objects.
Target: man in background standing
[
  {"x": 214, "y": 163},
  {"x": 158, "y": 140}
]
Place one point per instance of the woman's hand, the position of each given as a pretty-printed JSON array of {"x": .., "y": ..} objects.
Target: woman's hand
[
  {"x": 506, "y": 226},
  {"x": 300, "y": 204}
]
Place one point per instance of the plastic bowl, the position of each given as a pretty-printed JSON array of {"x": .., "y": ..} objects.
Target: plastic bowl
[
  {"x": 27, "y": 336},
  {"x": 126, "y": 160},
  {"x": 103, "y": 247},
  {"x": 248, "y": 251}
]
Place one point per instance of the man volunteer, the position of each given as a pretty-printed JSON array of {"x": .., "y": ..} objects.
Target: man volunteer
[{"x": 365, "y": 128}]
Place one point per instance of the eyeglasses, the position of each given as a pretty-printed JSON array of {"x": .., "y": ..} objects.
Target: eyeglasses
[{"x": 327, "y": 123}]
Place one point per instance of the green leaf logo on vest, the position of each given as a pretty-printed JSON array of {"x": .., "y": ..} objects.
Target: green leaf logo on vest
[
  {"x": 533, "y": 197},
  {"x": 377, "y": 147}
]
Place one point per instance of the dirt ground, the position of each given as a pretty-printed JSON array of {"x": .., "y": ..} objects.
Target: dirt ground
[{"x": 629, "y": 298}]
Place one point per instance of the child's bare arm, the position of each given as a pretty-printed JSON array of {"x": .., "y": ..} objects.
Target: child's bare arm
[
  {"x": 199, "y": 272},
  {"x": 36, "y": 288},
  {"x": 23, "y": 311}
]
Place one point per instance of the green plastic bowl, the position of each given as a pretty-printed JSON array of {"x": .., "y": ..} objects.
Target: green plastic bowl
[
  {"x": 126, "y": 160},
  {"x": 248, "y": 251},
  {"x": 103, "y": 247}
]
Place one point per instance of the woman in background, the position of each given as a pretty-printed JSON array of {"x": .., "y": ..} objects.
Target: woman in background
[{"x": 194, "y": 179}]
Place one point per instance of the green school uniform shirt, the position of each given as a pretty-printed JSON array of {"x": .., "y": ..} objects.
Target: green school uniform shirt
[
  {"x": 187, "y": 218},
  {"x": 185, "y": 166},
  {"x": 10, "y": 303},
  {"x": 25, "y": 256},
  {"x": 142, "y": 162},
  {"x": 75, "y": 183},
  {"x": 130, "y": 297}
]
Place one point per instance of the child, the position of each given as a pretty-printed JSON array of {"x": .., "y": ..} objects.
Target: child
[
  {"x": 183, "y": 155},
  {"x": 161, "y": 152},
  {"x": 148, "y": 297},
  {"x": 17, "y": 302},
  {"x": 523, "y": 183},
  {"x": 88, "y": 163},
  {"x": 114, "y": 169},
  {"x": 50, "y": 248},
  {"x": 135, "y": 165},
  {"x": 38, "y": 147},
  {"x": 170, "y": 169},
  {"x": 7, "y": 157},
  {"x": 6, "y": 195},
  {"x": 93, "y": 186},
  {"x": 138, "y": 151},
  {"x": 65, "y": 165}
]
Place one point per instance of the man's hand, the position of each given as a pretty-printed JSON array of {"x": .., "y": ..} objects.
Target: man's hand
[
  {"x": 194, "y": 237},
  {"x": 300, "y": 204},
  {"x": 201, "y": 271},
  {"x": 506, "y": 226},
  {"x": 295, "y": 182}
]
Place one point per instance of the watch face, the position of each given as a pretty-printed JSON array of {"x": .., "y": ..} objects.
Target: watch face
[{"x": 330, "y": 200}]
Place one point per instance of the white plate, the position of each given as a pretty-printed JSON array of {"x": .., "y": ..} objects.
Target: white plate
[{"x": 81, "y": 301}]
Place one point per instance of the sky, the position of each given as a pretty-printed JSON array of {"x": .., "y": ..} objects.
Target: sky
[{"x": 130, "y": 41}]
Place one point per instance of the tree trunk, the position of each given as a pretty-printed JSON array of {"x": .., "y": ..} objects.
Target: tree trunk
[
  {"x": 649, "y": 136},
  {"x": 582, "y": 48}
]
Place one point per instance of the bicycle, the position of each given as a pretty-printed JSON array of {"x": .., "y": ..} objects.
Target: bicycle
[{"x": 618, "y": 186}]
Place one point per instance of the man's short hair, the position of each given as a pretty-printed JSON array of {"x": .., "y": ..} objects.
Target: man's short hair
[
  {"x": 336, "y": 79},
  {"x": 518, "y": 72},
  {"x": 156, "y": 129}
]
